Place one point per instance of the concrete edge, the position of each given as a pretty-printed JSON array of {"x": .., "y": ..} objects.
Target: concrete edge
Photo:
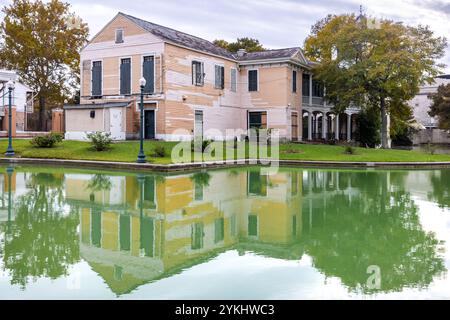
[{"x": 226, "y": 164}]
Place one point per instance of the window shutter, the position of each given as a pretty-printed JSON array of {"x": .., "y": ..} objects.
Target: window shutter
[
  {"x": 217, "y": 77},
  {"x": 294, "y": 81},
  {"x": 125, "y": 76},
  {"x": 222, "y": 77},
  {"x": 97, "y": 78},
  {"x": 253, "y": 80},
  {"x": 194, "y": 73},
  {"x": 202, "y": 74},
  {"x": 149, "y": 74},
  {"x": 233, "y": 80}
]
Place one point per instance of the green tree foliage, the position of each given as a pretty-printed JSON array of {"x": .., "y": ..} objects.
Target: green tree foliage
[
  {"x": 42, "y": 241},
  {"x": 440, "y": 106},
  {"x": 379, "y": 225},
  {"x": 249, "y": 44},
  {"x": 368, "y": 125},
  {"x": 41, "y": 40},
  {"x": 373, "y": 64}
]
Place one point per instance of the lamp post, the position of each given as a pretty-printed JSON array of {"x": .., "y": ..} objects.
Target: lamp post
[
  {"x": 141, "y": 156},
  {"x": 9, "y": 171},
  {"x": 10, "y": 150}
]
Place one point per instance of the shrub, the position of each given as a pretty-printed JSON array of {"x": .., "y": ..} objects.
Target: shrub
[
  {"x": 368, "y": 125},
  {"x": 350, "y": 150},
  {"x": 159, "y": 151},
  {"x": 46, "y": 141},
  {"x": 100, "y": 140},
  {"x": 205, "y": 144}
]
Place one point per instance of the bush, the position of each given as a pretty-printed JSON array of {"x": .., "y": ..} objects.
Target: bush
[
  {"x": 159, "y": 151},
  {"x": 100, "y": 140},
  {"x": 205, "y": 144},
  {"x": 47, "y": 141},
  {"x": 350, "y": 150}
]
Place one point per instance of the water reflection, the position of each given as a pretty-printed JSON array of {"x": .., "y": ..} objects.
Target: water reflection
[{"x": 133, "y": 229}]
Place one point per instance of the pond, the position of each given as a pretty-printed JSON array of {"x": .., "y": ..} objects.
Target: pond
[{"x": 224, "y": 234}]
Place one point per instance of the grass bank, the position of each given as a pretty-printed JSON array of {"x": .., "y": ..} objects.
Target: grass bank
[{"x": 127, "y": 152}]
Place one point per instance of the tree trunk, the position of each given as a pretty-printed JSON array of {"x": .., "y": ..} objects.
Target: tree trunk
[
  {"x": 384, "y": 125},
  {"x": 42, "y": 115}
]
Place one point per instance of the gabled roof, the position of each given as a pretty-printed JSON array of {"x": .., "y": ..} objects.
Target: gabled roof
[{"x": 180, "y": 38}]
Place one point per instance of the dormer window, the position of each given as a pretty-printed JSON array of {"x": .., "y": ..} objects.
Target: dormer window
[{"x": 119, "y": 35}]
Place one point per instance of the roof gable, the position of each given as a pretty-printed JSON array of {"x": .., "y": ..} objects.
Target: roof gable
[{"x": 180, "y": 38}]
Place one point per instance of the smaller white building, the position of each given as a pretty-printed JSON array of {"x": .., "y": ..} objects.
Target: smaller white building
[
  {"x": 22, "y": 98},
  {"x": 421, "y": 106}
]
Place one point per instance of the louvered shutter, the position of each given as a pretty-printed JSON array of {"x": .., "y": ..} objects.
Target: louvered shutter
[
  {"x": 149, "y": 74},
  {"x": 125, "y": 76},
  {"x": 97, "y": 78}
]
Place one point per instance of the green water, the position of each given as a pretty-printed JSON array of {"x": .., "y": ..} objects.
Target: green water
[{"x": 225, "y": 234}]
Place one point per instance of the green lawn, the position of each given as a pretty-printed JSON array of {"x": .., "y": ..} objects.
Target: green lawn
[{"x": 127, "y": 152}]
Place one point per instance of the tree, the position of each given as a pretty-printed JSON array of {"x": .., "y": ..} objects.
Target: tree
[
  {"x": 249, "y": 44},
  {"x": 41, "y": 41},
  {"x": 373, "y": 64},
  {"x": 440, "y": 106}
]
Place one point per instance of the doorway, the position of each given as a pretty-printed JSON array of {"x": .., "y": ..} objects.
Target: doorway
[{"x": 149, "y": 124}]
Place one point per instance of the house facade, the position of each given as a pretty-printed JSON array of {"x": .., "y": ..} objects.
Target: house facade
[
  {"x": 22, "y": 101},
  {"x": 193, "y": 88},
  {"x": 430, "y": 132}
]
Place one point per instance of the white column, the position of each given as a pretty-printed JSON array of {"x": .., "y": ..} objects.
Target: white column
[
  {"x": 349, "y": 127},
  {"x": 309, "y": 126},
  {"x": 310, "y": 89},
  {"x": 337, "y": 128},
  {"x": 316, "y": 125},
  {"x": 324, "y": 126}
]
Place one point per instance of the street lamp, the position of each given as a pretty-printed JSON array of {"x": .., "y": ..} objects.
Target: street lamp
[
  {"x": 141, "y": 156},
  {"x": 10, "y": 150}
]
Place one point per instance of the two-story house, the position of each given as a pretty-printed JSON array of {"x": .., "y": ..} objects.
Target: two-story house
[{"x": 192, "y": 87}]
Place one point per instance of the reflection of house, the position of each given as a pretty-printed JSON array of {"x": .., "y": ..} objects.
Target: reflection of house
[
  {"x": 18, "y": 188},
  {"x": 421, "y": 106},
  {"x": 183, "y": 222}
]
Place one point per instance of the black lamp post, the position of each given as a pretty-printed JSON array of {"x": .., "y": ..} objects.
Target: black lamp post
[
  {"x": 141, "y": 156},
  {"x": 10, "y": 150}
]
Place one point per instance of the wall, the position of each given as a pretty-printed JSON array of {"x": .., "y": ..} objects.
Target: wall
[{"x": 432, "y": 136}]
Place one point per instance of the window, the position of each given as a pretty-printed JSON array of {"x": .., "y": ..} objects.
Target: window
[
  {"x": 294, "y": 81},
  {"x": 149, "y": 193},
  {"x": 257, "y": 120},
  {"x": 317, "y": 89},
  {"x": 198, "y": 74},
  {"x": 148, "y": 72},
  {"x": 96, "y": 228},
  {"x": 253, "y": 225},
  {"x": 97, "y": 79},
  {"x": 253, "y": 80},
  {"x": 219, "y": 230},
  {"x": 305, "y": 85},
  {"x": 197, "y": 235},
  {"x": 119, "y": 36},
  {"x": 147, "y": 226},
  {"x": 233, "y": 80},
  {"x": 256, "y": 184},
  {"x": 125, "y": 232},
  {"x": 125, "y": 76},
  {"x": 219, "y": 82}
]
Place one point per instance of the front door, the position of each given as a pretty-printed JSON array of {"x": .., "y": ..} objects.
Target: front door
[{"x": 149, "y": 124}]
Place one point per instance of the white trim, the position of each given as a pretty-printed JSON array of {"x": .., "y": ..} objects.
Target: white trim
[
  {"x": 154, "y": 68},
  {"x": 257, "y": 79},
  {"x": 103, "y": 80},
  {"x": 131, "y": 75}
]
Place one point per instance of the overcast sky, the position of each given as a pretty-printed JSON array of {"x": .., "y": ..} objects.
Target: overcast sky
[{"x": 276, "y": 23}]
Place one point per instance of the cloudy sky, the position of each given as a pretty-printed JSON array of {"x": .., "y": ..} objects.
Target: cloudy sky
[{"x": 276, "y": 23}]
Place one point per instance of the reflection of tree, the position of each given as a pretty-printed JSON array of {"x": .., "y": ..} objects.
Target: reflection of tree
[
  {"x": 42, "y": 242},
  {"x": 379, "y": 226},
  {"x": 441, "y": 188},
  {"x": 201, "y": 178},
  {"x": 99, "y": 182}
]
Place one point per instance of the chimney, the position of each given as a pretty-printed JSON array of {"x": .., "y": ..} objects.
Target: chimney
[{"x": 241, "y": 53}]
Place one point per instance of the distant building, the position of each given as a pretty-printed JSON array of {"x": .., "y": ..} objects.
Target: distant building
[
  {"x": 421, "y": 105},
  {"x": 22, "y": 99}
]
